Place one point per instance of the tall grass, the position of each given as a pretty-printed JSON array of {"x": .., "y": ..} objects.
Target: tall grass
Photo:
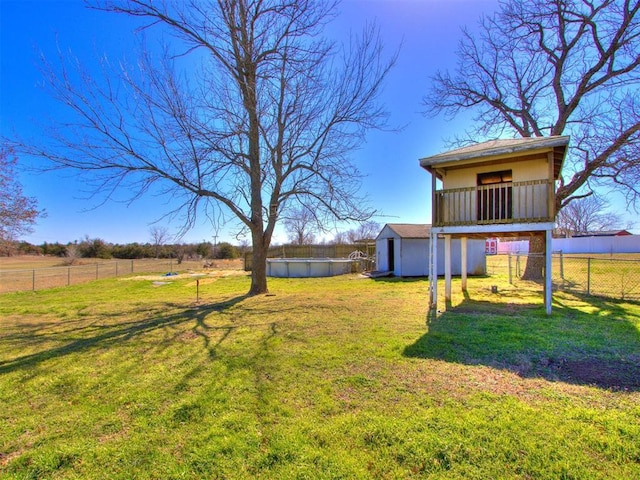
[{"x": 323, "y": 378}]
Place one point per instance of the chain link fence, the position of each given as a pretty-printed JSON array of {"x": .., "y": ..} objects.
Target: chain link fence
[
  {"x": 50, "y": 277},
  {"x": 616, "y": 278}
]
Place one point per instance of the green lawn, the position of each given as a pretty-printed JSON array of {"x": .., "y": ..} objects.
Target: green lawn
[{"x": 324, "y": 378}]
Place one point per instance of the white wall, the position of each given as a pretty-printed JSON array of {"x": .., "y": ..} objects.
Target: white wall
[
  {"x": 513, "y": 246},
  {"x": 623, "y": 244},
  {"x": 536, "y": 169},
  {"x": 411, "y": 256},
  {"x": 414, "y": 257},
  {"x": 382, "y": 255}
]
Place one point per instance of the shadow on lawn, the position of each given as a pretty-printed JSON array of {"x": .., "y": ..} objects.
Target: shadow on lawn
[
  {"x": 84, "y": 335},
  {"x": 601, "y": 348}
]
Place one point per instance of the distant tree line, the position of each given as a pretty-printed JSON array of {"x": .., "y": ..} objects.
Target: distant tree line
[{"x": 98, "y": 248}]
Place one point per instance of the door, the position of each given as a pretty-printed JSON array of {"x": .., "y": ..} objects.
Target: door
[
  {"x": 495, "y": 197},
  {"x": 391, "y": 263}
]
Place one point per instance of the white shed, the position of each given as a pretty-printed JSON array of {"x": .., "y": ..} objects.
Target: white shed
[{"x": 403, "y": 248}]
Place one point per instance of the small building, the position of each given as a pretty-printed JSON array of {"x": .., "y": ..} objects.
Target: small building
[
  {"x": 603, "y": 233},
  {"x": 499, "y": 188},
  {"x": 403, "y": 249}
]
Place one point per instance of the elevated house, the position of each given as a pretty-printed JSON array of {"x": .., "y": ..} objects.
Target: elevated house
[{"x": 499, "y": 188}]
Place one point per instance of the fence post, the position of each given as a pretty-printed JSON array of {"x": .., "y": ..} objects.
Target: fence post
[
  {"x": 97, "y": 271},
  {"x": 33, "y": 280},
  {"x": 131, "y": 266},
  {"x": 68, "y": 276},
  {"x": 562, "y": 266},
  {"x": 589, "y": 276},
  {"x": 510, "y": 274},
  {"x": 116, "y": 268}
]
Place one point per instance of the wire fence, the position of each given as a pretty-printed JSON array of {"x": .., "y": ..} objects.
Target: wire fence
[
  {"x": 614, "y": 278},
  {"x": 50, "y": 277}
]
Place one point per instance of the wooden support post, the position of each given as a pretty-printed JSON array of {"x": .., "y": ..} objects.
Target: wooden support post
[
  {"x": 447, "y": 269},
  {"x": 551, "y": 194},
  {"x": 463, "y": 263},
  {"x": 547, "y": 273},
  {"x": 433, "y": 257},
  {"x": 433, "y": 276}
]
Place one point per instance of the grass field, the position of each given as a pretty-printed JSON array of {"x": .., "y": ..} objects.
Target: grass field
[
  {"x": 323, "y": 378},
  {"x": 30, "y": 272}
]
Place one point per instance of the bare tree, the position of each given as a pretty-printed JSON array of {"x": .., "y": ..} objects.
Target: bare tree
[
  {"x": 368, "y": 230},
  {"x": 556, "y": 67},
  {"x": 340, "y": 238},
  {"x": 267, "y": 116},
  {"x": 18, "y": 213},
  {"x": 300, "y": 224},
  {"x": 588, "y": 214},
  {"x": 159, "y": 236},
  {"x": 72, "y": 254},
  {"x": 365, "y": 231}
]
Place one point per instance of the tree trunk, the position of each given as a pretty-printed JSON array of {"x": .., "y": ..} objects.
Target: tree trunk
[
  {"x": 535, "y": 261},
  {"x": 259, "y": 266}
]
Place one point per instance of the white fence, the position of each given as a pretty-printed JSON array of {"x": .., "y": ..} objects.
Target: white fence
[{"x": 623, "y": 244}]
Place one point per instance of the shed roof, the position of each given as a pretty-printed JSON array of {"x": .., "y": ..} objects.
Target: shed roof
[
  {"x": 500, "y": 148},
  {"x": 604, "y": 233},
  {"x": 410, "y": 230}
]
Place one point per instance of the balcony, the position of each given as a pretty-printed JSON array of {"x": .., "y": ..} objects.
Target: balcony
[{"x": 500, "y": 203}]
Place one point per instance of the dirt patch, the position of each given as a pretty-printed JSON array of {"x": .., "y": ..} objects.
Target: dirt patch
[
  {"x": 610, "y": 374},
  {"x": 204, "y": 276}
]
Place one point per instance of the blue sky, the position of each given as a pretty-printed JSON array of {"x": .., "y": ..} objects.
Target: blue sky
[{"x": 397, "y": 187}]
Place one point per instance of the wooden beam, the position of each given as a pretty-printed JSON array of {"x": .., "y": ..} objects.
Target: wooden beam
[
  {"x": 551, "y": 190},
  {"x": 460, "y": 165},
  {"x": 463, "y": 263},
  {"x": 495, "y": 230},
  {"x": 447, "y": 270},
  {"x": 433, "y": 276},
  {"x": 548, "y": 273}
]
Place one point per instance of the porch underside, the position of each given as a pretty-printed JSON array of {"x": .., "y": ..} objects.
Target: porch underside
[
  {"x": 512, "y": 230},
  {"x": 481, "y": 231}
]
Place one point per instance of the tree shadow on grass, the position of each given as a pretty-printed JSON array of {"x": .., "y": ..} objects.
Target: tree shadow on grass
[
  {"x": 82, "y": 336},
  {"x": 600, "y": 348}
]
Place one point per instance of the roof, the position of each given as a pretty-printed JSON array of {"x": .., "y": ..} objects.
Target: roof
[
  {"x": 514, "y": 147},
  {"x": 410, "y": 230},
  {"x": 604, "y": 233}
]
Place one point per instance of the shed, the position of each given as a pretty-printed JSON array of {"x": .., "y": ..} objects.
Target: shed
[
  {"x": 403, "y": 248},
  {"x": 603, "y": 233}
]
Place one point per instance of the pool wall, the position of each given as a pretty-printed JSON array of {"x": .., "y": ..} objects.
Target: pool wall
[{"x": 308, "y": 267}]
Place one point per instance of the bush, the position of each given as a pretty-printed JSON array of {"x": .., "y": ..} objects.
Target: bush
[
  {"x": 225, "y": 250},
  {"x": 94, "y": 248},
  {"x": 54, "y": 249}
]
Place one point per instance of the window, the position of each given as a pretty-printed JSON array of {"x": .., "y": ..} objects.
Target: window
[{"x": 495, "y": 197}]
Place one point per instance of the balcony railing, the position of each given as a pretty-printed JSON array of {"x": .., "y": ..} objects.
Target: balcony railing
[{"x": 501, "y": 203}]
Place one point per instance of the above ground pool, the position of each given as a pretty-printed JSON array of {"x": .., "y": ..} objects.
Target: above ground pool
[{"x": 308, "y": 267}]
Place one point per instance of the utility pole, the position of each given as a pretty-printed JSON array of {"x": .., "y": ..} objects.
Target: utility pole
[{"x": 215, "y": 244}]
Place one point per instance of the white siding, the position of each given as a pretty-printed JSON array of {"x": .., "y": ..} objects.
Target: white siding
[
  {"x": 622, "y": 244},
  {"x": 415, "y": 258},
  {"x": 411, "y": 255},
  {"x": 586, "y": 245},
  {"x": 382, "y": 254}
]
